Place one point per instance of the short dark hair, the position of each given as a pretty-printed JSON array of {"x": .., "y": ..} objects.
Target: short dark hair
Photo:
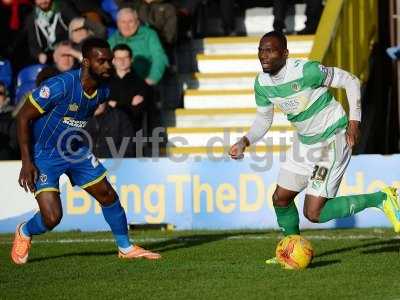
[
  {"x": 279, "y": 35},
  {"x": 123, "y": 47},
  {"x": 92, "y": 43}
]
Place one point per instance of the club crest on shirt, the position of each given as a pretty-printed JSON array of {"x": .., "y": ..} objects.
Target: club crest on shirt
[
  {"x": 296, "y": 87},
  {"x": 44, "y": 92},
  {"x": 73, "y": 107}
]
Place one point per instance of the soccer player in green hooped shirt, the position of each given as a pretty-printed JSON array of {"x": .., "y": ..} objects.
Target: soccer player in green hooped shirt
[{"x": 325, "y": 136}]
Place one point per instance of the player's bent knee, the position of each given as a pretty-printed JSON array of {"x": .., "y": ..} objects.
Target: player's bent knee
[
  {"x": 312, "y": 215},
  {"x": 279, "y": 201},
  {"x": 51, "y": 220},
  {"x": 107, "y": 196},
  {"x": 275, "y": 199},
  {"x": 103, "y": 192}
]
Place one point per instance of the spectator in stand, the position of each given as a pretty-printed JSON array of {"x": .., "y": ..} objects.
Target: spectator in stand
[
  {"x": 15, "y": 11},
  {"x": 80, "y": 29},
  {"x": 46, "y": 26},
  {"x": 110, "y": 130},
  {"x": 5, "y": 72},
  {"x": 149, "y": 58},
  {"x": 161, "y": 15},
  {"x": 314, "y": 10},
  {"x": 5, "y": 106},
  {"x": 313, "y": 13},
  {"x": 227, "y": 12},
  {"x": 64, "y": 58},
  {"x": 13, "y": 41},
  {"x": 128, "y": 91},
  {"x": 280, "y": 10},
  {"x": 90, "y": 9},
  {"x": 8, "y": 132}
]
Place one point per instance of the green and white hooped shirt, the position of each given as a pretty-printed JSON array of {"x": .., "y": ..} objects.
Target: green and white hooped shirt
[{"x": 302, "y": 95}]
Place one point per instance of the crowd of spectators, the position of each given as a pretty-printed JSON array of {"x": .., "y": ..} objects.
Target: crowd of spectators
[{"x": 42, "y": 38}]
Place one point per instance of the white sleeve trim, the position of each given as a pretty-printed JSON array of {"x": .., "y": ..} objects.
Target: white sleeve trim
[
  {"x": 261, "y": 124},
  {"x": 343, "y": 79}
]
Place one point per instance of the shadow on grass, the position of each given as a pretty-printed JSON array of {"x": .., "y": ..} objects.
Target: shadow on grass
[
  {"x": 172, "y": 244},
  {"x": 74, "y": 254},
  {"x": 394, "y": 248},
  {"x": 189, "y": 241},
  {"x": 323, "y": 263},
  {"x": 378, "y": 247}
]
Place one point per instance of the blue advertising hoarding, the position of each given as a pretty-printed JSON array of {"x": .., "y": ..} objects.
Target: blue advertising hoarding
[{"x": 198, "y": 194}]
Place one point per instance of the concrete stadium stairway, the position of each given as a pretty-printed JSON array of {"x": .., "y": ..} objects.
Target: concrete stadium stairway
[{"x": 219, "y": 104}]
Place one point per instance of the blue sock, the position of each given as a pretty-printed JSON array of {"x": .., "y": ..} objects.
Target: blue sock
[
  {"x": 34, "y": 226},
  {"x": 115, "y": 216}
]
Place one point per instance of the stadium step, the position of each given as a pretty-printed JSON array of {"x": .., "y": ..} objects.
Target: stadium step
[
  {"x": 297, "y": 44},
  {"x": 216, "y": 63},
  {"x": 219, "y": 99},
  {"x": 220, "y": 136},
  {"x": 214, "y": 81},
  {"x": 257, "y": 19},
  {"x": 222, "y": 117}
]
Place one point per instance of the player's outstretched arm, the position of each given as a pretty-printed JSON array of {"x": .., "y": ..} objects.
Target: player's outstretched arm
[
  {"x": 260, "y": 127},
  {"x": 28, "y": 174}
]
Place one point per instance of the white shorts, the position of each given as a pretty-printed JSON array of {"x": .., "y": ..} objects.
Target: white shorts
[{"x": 318, "y": 168}]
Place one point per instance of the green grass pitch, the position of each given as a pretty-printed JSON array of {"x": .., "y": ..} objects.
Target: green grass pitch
[{"x": 349, "y": 264}]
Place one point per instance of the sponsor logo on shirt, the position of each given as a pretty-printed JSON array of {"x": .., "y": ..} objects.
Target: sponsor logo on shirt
[
  {"x": 44, "y": 92},
  {"x": 292, "y": 105},
  {"x": 289, "y": 106},
  {"x": 74, "y": 123}
]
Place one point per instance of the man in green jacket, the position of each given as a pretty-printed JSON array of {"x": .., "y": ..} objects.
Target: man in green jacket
[{"x": 149, "y": 58}]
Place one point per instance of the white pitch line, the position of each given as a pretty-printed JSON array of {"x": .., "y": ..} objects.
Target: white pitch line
[
  {"x": 318, "y": 237},
  {"x": 238, "y": 237}
]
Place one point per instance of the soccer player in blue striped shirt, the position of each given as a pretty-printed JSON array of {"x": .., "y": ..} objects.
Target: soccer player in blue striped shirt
[{"x": 50, "y": 135}]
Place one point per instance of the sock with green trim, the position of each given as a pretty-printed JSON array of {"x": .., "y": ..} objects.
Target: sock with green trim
[
  {"x": 288, "y": 219},
  {"x": 345, "y": 206}
]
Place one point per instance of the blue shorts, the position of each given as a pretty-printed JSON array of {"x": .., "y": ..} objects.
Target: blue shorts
[{"x": 83, "y": 169}]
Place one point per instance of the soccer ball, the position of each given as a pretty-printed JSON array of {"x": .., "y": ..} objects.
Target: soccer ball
[{"x": 294, "y": 252}]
